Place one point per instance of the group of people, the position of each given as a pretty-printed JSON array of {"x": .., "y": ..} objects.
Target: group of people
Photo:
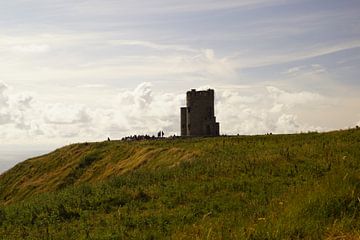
[{"x": 160, "y": 134}]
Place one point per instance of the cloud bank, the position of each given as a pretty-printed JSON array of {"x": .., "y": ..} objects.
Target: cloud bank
[{"x": 247, "y": 110}]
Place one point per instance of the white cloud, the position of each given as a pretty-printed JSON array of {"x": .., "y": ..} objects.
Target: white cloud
[
  {"x": 258, "y": 110},
  {"x": 146, "y": 112},
  {"x": 289, "y": 100},
  {"x": 64, "y": 114},
  {"x": 3, "y": 96},
  {"x": 136, "y": 111},
  {"x": 288, "y": 123}
]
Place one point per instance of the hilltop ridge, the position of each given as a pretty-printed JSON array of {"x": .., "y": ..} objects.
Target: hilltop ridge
[{"x": 242, "y": 187}]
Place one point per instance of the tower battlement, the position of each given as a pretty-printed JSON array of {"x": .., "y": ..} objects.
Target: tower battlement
[
  {"x": 193, "y": 92},
  {"x": 197, "y": 118}
]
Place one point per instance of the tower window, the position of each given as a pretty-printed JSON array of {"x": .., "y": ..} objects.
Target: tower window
[{"x": 208, "y": 130}]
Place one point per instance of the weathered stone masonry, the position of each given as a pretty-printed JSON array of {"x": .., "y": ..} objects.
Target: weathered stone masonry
[{"x": 197, "y": 118}]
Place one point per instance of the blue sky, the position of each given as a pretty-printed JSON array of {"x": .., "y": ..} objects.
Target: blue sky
[{"x": 82, "y": 70}]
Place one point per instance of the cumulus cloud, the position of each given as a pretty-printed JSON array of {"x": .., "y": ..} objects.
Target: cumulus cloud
[
  {"x": 288, "y": 99},
  {"x": 148, "y": 113},
  {"x": 136, "y": 111},
  {"x": 3, "y": 97},
  {"x": 258, "y": 110},
  {"x": 64, "y": 114},
  {"x": 247, "y": 110}
]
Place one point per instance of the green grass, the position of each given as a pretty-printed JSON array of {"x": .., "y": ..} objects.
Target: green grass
[{"x": 301, "y": 186}]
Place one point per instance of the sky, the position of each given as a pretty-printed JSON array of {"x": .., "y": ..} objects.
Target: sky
[{"x": 84, "y": 70}]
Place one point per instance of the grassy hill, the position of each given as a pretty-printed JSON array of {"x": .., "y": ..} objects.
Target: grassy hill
[{"x": 301, "y": 186}]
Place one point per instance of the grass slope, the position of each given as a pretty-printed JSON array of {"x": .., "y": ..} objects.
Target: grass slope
[
  {"x": 87, "y": 163},
  {"x": 301, "y": 186}
]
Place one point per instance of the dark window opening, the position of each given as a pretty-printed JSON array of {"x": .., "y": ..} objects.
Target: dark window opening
[{"x": 208, "y": 130}]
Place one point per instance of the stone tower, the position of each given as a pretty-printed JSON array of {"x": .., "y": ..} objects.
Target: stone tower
[{"x": 197, "y": 118}]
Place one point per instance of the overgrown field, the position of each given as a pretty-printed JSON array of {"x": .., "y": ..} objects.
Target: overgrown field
[{"x": 301, "y": 186}]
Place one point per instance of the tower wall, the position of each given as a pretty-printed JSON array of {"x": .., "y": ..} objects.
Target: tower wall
[{"x": 183, "y": 122}]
